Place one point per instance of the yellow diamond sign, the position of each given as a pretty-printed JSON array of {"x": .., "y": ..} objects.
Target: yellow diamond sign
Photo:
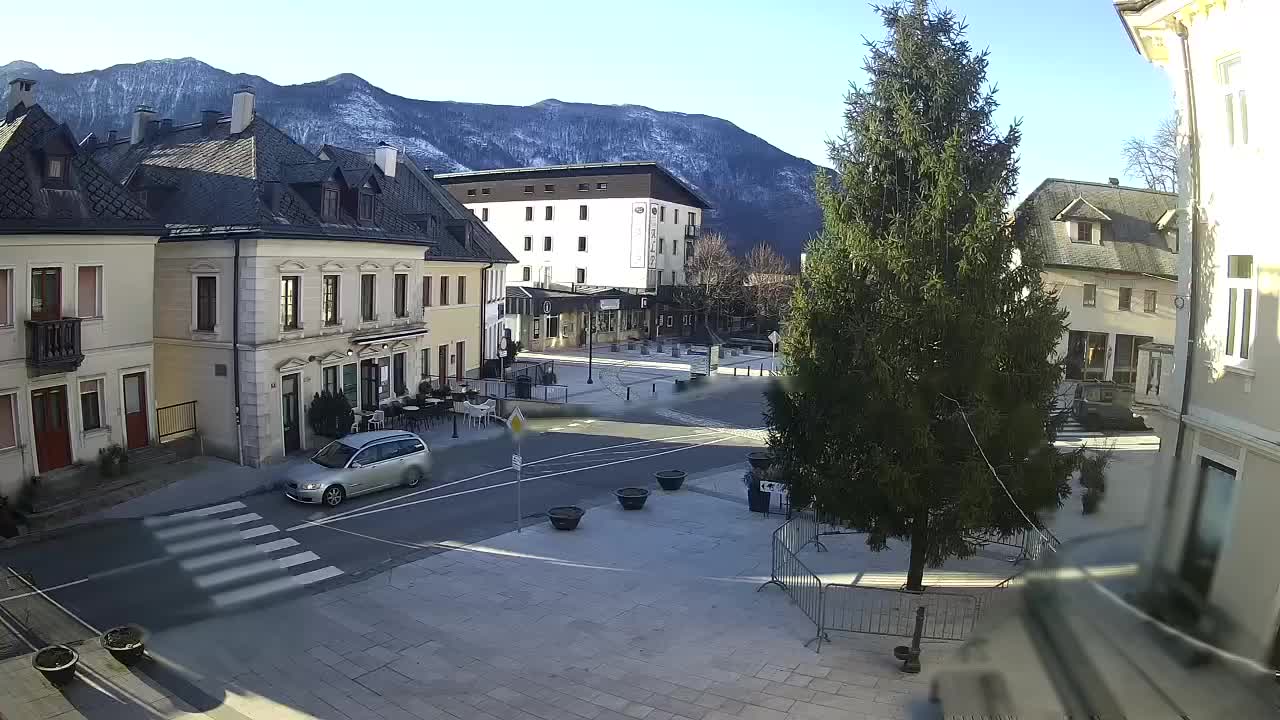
[{"x": 516, "y": 423}]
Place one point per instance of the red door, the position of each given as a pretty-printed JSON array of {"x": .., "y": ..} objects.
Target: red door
[
  {"x": 135, "y": 411},
  {"x": 49, "y": 421}
]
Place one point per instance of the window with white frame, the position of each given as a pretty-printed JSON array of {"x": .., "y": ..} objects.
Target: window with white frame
[
  {"x": 1084, "y": 232},
  {"x": 329, "y": 379},
  {"x": 1149, "y": 301},
  {"x": 91, "y": 405},
  {"x": 89, "y": 291},
  {"x": 8, "y": 421},
  {"x": 290, "y": 302},
  {"x": 1090, "y": 295},
  {"x": 6, "y": 297},
  {"x": 1235, "y": 107},
  {"x": 1240, "y": 298},
  {"x": 368, "y": 297},
  {"x": 329, "y": 300},
  {"x": 525, "y": 273},
  {"x": 205, "y": 308}
]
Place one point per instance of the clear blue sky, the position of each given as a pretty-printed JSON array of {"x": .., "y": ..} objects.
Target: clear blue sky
[{"x": 776, "y": 69}]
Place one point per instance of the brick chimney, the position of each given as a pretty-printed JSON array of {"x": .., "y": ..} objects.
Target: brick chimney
[
  {"x": 141, "y": 118},
  {"x": 384, "y": 156},
  {"x": 241, "y": 108},
  {"x": 166, "y": 125}
]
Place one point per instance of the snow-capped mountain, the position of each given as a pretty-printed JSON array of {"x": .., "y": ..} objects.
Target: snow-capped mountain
[{"x": 759, "y": 191}]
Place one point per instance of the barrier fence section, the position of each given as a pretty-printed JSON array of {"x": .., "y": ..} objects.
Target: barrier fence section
[
  {"x": 845, "y": 607},
  {"x": 175, "y": 420}
]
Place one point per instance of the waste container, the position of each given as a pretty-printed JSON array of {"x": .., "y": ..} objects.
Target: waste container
[{"x": 524, "y": 387}]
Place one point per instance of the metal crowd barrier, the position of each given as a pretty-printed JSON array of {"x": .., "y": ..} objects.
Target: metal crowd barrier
[{"x": 793, "y": 576}]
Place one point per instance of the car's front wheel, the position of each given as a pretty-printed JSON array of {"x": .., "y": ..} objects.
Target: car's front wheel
[
  {"x": 334, "y": 495},
  {"x": 413, "y": 476}
]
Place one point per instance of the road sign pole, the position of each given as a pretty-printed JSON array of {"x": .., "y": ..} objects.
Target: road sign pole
[{"x": 519, "y": 478}]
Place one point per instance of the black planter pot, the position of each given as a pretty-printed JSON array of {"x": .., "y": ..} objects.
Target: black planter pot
[
  {"x": 57, "y": 663},
  {"x": 757, "y": 499},
  {"x": 565, "y": 517},
  {"x": 631, "y": 498},
  {"x": 125, "y": 643},
  {"x": 670, "y": 480},
  {"x": 760, "y": 460}
]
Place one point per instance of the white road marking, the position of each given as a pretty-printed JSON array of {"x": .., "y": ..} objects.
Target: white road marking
[
  {"x": 273, "y": 586},
  {"x": 434, "y": 488},
  {"x": 258, "y": 531},
  {"x": 239, "y": 572},
  {"x": 297, "y": 559},
  {"x": 363, "y": 513},
  {"x": 242, "y": 519},
  {"x": 316, "y": 576},
  {"x": 275, "y": 545},
  {"x": 204, "y": 561},
  {"x": 194, "y": 528},
  {"x": 55, "y": 603},
  {"x": 162, "y": 520},
  {"x": 204, "y": 543}
]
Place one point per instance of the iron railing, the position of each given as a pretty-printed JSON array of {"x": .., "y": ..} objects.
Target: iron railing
[
  {"x": 507, "y": 390},
  {"x": 176, "y": 420},
  {"x": 885, "y": 611}
]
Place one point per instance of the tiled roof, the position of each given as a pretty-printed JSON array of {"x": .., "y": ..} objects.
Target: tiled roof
[
  {"x": 91, "y": 202},
  {"x": 249, "y": 180},
  {"x": 1131, "y": 241},
  {"x": 416, "y": 196}
]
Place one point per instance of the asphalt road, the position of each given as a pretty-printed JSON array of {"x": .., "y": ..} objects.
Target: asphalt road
[{"x": 161, "y": 572}]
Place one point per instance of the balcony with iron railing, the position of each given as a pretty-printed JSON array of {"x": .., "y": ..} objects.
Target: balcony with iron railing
[
  {"x": 53, "y": 346},
  {"x": 692, "y": 232}
]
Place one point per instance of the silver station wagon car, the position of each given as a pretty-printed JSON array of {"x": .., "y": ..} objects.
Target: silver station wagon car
[{"x": 357, "y": 464}]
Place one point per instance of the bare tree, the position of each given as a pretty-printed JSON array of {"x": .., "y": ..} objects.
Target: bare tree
[
  {"x": 1155, "y": 160},
  {"x": 714, "y": 277},
  {"x": 768, "y": 282}
]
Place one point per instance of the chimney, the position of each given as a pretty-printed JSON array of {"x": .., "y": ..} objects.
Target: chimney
[
  {"x": 89, "y": 143},
  {"x": 1114, "y": 181},
  {"x": 153, "y": 129},
  {"x": 21, "y": 92},
  {"x": 141, "y": 116},
  {"x": 209, "y": 120},
  {"x": 111, "y": 137},
  {"x": 384, "y": 156},
  {"x": 166, "y": 125},
  {"x": 241, "y": 108}
]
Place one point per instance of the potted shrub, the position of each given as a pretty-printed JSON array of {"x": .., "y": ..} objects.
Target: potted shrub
[
  {"x": 126, "y": 643},
  {"x": 760, "y": 459},
  {"x": 758, "y": 500},
  {"x": 565, "y": 517},
  {"x": 1093, "y": 478},
  {"x": 631, "y": 498},
  {"x": 57, "y": 663},
  {"x": 670, "y": 480},
  {"x": 113, "y": 461}
]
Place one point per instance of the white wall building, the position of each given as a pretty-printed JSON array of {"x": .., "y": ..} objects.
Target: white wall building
[{"x": 625, "y": 225}]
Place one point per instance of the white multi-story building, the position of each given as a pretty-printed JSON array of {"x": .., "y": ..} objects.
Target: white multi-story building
[{"x": 627, "y": 225}]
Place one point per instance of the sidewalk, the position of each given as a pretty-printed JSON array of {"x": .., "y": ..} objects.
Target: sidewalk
[{"x": 651, "y": 614}]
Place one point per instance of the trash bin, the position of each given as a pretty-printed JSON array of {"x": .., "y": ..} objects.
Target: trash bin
[{"x": 524, "y": 387}]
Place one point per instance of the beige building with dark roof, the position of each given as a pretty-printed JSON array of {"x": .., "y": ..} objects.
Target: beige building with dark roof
[{"x": 1110, "y": 253}]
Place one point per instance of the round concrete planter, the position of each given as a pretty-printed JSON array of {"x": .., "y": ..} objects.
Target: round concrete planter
[
  {"x": 760, "y": 460},
  {"x": 565, "y": 517},
  {"x": 631, "y": 498},
  {"x": 57, "y": 663},
  {"x": 670, "y": 480},
  {"x": 126, "y": 643}
]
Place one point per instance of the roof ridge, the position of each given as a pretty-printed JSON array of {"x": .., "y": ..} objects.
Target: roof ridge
[{"x": 1109, "y": 185}]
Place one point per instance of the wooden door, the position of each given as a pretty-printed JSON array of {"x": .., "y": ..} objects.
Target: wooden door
[
  {"x": 369, "y": 385},
  {"x": 46, "y": 293},
  {"x": 137, "y": 434},
  {"x": 460, "y": 364},
  {"x": 442, "y": 362},
  {"x": 289, "y": 413},
  {"x": 52, "y": 434}
]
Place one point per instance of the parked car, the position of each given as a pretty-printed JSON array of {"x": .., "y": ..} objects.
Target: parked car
[
  {"x": 358, "y": 464},
  {"x": 1105, "y": 406}
]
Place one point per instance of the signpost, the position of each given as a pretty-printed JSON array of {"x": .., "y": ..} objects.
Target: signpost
[
  {"x": 774, "y": 337},
  {"x": 516, "y": 427}
]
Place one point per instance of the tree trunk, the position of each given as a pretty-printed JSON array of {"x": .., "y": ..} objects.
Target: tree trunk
[{"x": 915, "y": 572}]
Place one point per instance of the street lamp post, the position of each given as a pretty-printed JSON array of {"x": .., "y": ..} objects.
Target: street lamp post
[{"x": 591, "y": 340}]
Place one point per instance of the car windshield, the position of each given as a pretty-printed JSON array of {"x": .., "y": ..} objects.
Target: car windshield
[{"x": 334, "y": 455}]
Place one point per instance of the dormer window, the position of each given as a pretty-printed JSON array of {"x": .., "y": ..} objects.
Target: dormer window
[
  {"x": 329, "y": 204},
  {"x": 1083, "y": 233},
  {"x": 366, "y": 206},
  {"x": 55, "y": 171}
]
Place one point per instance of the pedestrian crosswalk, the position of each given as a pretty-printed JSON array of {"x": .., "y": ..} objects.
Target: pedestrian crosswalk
[
  {"x": 233, "y": 556},
  {"x": 699, "y": 421}
]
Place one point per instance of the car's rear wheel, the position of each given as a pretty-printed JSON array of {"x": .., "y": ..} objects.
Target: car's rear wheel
[
  {"x": 413, "y": 476},
  {"x": 334, "y": 495}
]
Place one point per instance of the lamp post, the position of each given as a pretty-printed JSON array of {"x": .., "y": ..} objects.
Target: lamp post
[{"x": 591, "y": 339}]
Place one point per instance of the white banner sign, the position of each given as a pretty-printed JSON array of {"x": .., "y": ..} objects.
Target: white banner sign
[{"x": 613, "y": 304}]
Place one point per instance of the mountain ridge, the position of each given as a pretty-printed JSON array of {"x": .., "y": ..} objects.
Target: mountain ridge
[{"x": 760, "y": 192}]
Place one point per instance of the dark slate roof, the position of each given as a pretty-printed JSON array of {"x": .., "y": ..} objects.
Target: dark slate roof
[
  {"x": 92, "y": 202},
  {"x": 253, "y": 181},
  {"x": 1131, "y": 241},
  {"x": 418, "y": 197},
  {"x": 579, "y": 170}
]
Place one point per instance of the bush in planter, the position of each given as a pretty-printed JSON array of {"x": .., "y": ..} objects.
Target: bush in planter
[
  {"x": 113, "y": 460},
  {"x": 1093, "y": 478},
  {"x": 329, "y": 414}
]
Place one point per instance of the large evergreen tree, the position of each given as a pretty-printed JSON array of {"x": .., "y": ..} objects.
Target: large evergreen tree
[{"x": 920, "y": 308}]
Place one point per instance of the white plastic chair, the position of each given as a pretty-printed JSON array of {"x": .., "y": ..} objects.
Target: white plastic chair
[
  {"x": 490, "y": 410},
  {"x": 378, "y": 421},
  {"x": 355, "y": 425}
]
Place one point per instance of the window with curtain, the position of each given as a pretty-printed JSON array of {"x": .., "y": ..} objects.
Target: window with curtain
[
  {"x": 1240, "y": 296},
  {"x": 368, "y": 306},
  {"x": 401, "y": 295},
  {"x": 91, "y": 405},
  {"x": 1090, "y": 295},
  {"x": 1126, "y": 298},
  {"x": 206, "y": 303},
  {"x": 329, "y": 303},
  {"x": 330, "y": 379},
  {"x": 444, "y": 290},
  {"x": 289, "y": 302},
  {"x": 89, "y": 291}
]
